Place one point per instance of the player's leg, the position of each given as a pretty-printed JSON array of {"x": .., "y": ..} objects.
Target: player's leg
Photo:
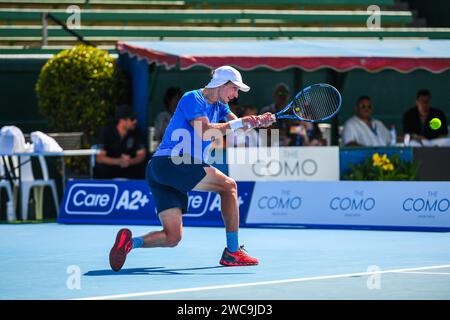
[
  {"x": 170, "y": 235},
  {"x": 162, "y": 177},
  {"x": 170, "y": 205},
  {"x": 226, "y": 187}
]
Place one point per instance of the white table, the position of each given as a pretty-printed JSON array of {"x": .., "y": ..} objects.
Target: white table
[{"x": 62, "y": 154}]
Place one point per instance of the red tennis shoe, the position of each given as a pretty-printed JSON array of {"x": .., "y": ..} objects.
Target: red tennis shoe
[
  {"x": 238, "y": 258},
  {"x": 119, "y": 251}
]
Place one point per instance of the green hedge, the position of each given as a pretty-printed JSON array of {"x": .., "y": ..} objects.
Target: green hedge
[{"x": 78, "y": 90}]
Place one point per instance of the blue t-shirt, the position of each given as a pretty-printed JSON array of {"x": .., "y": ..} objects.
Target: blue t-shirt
[{"x": 180, "y": 137}]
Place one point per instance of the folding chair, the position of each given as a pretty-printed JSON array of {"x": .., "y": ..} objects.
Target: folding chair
[
  {"x": 28, "y": 183},
  {"x": 6, "y": 183}
]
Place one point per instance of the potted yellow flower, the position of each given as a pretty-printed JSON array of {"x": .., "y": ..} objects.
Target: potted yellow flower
[{"x": 382, "y": 168}]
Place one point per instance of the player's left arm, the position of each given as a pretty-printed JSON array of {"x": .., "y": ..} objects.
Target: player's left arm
[
  {"x": 265, "y": 120},
  {"x": 231, "y": 116}
]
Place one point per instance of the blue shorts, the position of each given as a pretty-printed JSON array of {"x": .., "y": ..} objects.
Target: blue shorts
[{"x": 170, "y": 182}]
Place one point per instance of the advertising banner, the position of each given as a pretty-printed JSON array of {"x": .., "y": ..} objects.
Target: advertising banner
[
  {"x": 284, "y": 164},
  {"x": 131, "y": 202},
  {"x": 382, "y": 205},
  {"x": 344, "y": 204}
]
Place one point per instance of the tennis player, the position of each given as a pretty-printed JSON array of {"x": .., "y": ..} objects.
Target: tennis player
[{"x": 179, "y": 166}]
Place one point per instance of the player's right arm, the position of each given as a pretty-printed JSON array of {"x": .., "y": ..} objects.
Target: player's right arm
[
  {"x": 206, "y": 129},
  {"x": 192, "y": 108}
]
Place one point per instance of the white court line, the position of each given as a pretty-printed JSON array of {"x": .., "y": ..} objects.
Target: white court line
[
  {"x": 446, "y": 273},
  {"x": 251, "y": 284}
]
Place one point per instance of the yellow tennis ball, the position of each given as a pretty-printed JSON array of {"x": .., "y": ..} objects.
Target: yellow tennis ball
[
  {"x": 435, "y": 123},
  {"x": 297, "y": 109}
]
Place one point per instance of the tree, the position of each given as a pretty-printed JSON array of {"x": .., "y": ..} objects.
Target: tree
[{"x": 78, "y": 90}]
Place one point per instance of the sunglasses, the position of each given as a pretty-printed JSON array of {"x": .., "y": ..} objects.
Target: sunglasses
[
  {"x": 282, "y": 93},
  {"x": 365, "y": 106}
]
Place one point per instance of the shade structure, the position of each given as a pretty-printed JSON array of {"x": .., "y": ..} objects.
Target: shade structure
[{"x": 402, "y": 55}]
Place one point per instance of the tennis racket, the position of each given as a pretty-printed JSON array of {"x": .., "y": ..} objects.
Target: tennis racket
[{"x": 315, "y": 103}]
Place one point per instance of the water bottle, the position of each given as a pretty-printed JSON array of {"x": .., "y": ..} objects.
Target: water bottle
[
  {"x": 393, "y": 133},
  {"x": 407, "y": 139},
  {"x": 10, "y": 214}
]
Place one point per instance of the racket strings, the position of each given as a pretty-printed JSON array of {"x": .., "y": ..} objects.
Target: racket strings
[{"x": 317, "y": 103}]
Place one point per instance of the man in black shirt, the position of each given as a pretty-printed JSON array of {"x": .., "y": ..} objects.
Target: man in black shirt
[
  {"x": 416, "y": 121},
  {"x": 123, "y": 153}
]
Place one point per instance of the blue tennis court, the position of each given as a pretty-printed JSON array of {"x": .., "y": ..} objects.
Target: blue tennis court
[{"x": 54, "y": 261}]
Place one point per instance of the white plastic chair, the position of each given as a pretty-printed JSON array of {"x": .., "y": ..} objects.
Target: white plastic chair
[
  {"x": 28, "y": 183},
  {"x": 4, "y": 183}
]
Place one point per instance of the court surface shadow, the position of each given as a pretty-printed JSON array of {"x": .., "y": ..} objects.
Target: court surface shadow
[{"x": 164, "y": 271}]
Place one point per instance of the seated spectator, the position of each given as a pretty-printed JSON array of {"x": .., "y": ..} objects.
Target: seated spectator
[
  {"x": 236, "y": 108},
  {"x": 123, "y": 153},
  {"x": 303, "y": 133},
  {"x": 362, "y": 129},
  {"x": 416, "y": 120},
  {"x": 281, "y": 99},
  {"x": 171, "y": 98}
]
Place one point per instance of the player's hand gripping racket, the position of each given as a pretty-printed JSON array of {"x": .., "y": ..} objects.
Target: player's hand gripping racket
[{"x": 315, "y": 103}]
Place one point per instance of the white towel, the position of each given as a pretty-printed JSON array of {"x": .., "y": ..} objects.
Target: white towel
[
  {"x": 13, "y": 140},
  {"x": 44, "y": 143}
]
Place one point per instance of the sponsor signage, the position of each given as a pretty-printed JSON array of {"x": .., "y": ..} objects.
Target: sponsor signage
[
  {"x": 389, "y": 205},
  {"x": 131, "y": 202},
  {"x": 344, "y": 204},
  {"x": 284, "y": 164}
]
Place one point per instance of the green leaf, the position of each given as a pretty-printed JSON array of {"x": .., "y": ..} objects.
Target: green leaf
[
  {"x": 403, "y": 171},
  {"x": 78, "y": 90}
]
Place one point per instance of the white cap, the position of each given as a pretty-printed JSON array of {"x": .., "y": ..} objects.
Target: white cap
[{"x": 224, "y": 74}]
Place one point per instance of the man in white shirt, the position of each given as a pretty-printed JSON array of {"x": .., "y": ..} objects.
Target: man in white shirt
[{"x": 363, "y": 130}]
